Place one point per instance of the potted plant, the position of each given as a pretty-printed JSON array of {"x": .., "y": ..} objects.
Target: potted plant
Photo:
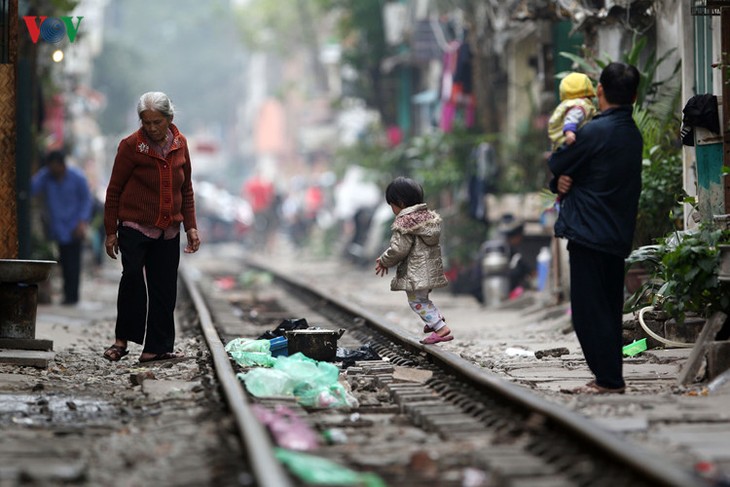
[{"x": 684, "y": 273}]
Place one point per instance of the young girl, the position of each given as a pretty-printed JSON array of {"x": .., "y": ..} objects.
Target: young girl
[
  {"x": 414, "y": 247},
  {"x": 576, "y": 108}
]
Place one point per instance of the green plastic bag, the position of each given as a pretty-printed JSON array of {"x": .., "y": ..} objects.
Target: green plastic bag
[
  {"x": 316, "y": 383},
  {"x": 263, "y": 382},
  {"x": 247, "y": 345},
  {"x": 313, "y": 383},
  {"x": 320, "y": 471},
  {"x": 305, "y": 370},
  {"x": 253, "y": 359},
  {"x": 250, "y": 353},
  {"x": 332, "y": 396}
]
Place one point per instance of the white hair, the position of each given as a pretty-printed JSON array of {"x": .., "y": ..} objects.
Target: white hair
[{"x": 157, "y": 101}]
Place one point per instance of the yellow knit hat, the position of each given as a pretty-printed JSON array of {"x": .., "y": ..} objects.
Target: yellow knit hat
[{"x": 576, "y": 85}]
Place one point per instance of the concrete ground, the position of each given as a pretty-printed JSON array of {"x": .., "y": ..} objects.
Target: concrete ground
[{"x": 688, "y": 423}]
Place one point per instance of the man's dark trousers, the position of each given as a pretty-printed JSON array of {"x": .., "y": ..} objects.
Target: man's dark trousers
[
  {"x": 70, "y": 257},
  {"x": 596, "y": 298}
]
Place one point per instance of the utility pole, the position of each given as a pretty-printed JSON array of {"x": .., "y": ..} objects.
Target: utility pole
[
  {"x": 8, "y": 62},
  {"x": 405, "y": 90},
  {"x": 725, "y": 122}
]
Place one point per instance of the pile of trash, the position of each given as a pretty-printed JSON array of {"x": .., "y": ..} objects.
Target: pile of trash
[
  {"x": 272, "y": 371},
  {"x": 277, "y": 365}
]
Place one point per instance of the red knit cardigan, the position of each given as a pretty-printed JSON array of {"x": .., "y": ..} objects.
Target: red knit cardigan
[{"x": 149, "y": 189}]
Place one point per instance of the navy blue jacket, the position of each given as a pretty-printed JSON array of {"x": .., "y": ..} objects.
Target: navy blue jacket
[{"x": 600, "y": 209}]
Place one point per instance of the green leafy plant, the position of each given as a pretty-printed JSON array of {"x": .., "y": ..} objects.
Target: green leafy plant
[
  {"x": 439, "y": 161},
  {"x": 650, "y": 90},
  {"x": 660, "y": 211},
  {"x": 684, "y": 274},
  {"x": 647, "y": 258}
]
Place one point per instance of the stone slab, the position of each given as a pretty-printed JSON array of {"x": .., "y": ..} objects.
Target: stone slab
[
  {"x": 26, "y": 344},
  {"x": 13, "y": 381},
  {"x": 709, "y": 330},
  {"x": 706, "y": 440},
  {"x": 685, "y": 333},
  {"x": 623, "y": 425},
  {"x": 648, "y": 370},
  {"x": 29, "y": 358},
  {"x": 409, "y": 374},
  {"x": 669, "y": 353},
  {"x": 164, "y": 388},
  {"x": 548, "y": 373},
  {"x": 718, "y": 358}
]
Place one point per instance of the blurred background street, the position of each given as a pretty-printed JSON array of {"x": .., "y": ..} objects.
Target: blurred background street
[{"x": 298, "y": 117}]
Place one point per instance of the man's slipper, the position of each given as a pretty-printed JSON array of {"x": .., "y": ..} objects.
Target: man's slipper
[
  {"x": 434, "y": 338},
  {"x": 593, "y": 388},
  {"x": 163, "y": 357},
  {"x": 115, "y": 353}
]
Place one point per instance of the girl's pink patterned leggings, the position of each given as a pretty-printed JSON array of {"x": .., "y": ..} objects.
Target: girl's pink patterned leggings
[{"x": 422, "y": 305}]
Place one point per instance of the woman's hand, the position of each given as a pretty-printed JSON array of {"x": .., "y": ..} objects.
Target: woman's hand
[
  {"x": 111, "y": 245},
  {"x": 193, "y": 241}
]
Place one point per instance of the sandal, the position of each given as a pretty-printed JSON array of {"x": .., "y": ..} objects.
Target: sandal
[
  {"x": 115, "y": 353},
  {"x": 167, "y": 356},
  {"x": 434, "y": 338}
]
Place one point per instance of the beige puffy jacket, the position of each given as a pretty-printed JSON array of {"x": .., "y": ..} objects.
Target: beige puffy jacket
[{"x": 414, "y": 248}]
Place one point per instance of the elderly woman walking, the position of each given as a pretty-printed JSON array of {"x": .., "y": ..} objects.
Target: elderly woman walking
[{"x": 150, "y": 194}]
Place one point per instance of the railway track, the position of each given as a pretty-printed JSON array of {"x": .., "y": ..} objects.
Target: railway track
[{"x": 424, "y": 416}]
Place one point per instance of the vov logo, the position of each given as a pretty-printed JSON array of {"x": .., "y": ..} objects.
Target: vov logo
[{"x": 52, "y": 29}]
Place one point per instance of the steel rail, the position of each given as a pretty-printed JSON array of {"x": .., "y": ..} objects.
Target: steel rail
[
  {"x": 256, "y": 440},
  {"x": 642, "y": 461}
]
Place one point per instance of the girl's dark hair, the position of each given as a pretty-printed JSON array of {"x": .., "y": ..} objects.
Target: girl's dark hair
[{"x": 404, "y": 192}]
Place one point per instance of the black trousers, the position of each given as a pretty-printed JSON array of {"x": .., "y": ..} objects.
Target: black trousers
[
  {"x": 596, "y": 298},
  {"x": 70, "y": 256},
  {"x": 147, "y": 290}
]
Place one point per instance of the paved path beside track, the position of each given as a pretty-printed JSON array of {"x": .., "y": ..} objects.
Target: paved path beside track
[{"x": 654, "y": 412}]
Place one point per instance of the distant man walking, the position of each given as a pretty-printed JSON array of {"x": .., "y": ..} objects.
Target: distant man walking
[
  {"x": 68, "y": 204},
  {"x": 599, "y": 179}
]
